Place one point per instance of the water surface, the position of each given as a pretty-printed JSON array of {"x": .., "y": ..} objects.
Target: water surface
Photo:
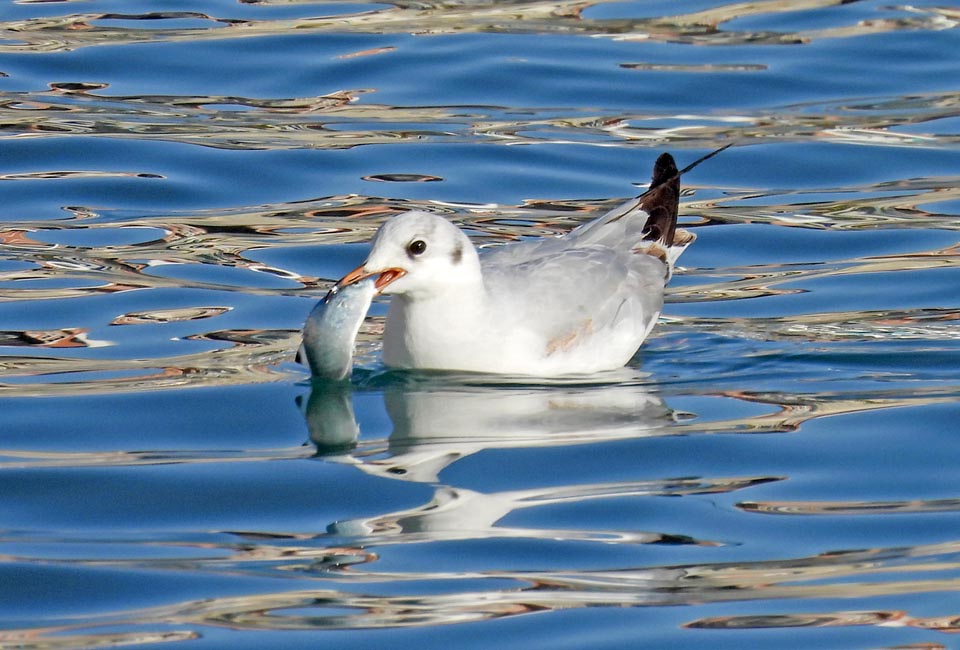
[{"x": 181, "y": 186}]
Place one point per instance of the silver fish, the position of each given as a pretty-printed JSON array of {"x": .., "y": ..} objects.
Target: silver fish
[{"x": 331, "y": 329}]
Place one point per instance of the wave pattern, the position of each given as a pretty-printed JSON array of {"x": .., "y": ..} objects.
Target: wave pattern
[
  {"x": 705, "y": 27},
  {"x": 170, "y": 476}
]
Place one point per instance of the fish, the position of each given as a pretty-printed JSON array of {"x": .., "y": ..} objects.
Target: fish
[{"x": 331, "y": 330}]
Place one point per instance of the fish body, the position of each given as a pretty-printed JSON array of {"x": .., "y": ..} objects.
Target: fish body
[{"x": 331, "y": 329}]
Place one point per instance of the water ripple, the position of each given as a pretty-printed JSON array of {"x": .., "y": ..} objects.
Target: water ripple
[
  {"x": 340, "y": 120},
  {"x": 519, "y": 593},
  {"x": 70, "y": 32},
  {"x": 180, "y": 187}
]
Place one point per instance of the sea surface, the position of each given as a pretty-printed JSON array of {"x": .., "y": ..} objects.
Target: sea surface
[{"x": 180, "y": 182}]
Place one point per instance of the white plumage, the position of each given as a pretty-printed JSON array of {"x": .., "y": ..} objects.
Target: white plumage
[{"x": 580, "y": 303}]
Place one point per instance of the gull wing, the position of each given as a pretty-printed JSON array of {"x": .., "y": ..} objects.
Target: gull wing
[{"x": 575, "y": 292}]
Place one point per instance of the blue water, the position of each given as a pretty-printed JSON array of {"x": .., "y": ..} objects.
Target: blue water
[{"x": 180, "y": 184}]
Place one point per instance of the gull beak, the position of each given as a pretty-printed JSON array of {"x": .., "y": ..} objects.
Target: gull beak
[{"x": 384, "y": 277}]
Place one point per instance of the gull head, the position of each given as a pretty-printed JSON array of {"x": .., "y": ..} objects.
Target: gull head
[{"x": 418, "y": 253}]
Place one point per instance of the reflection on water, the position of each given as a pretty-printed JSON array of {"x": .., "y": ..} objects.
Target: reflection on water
[
  {"x": 539, "y": 592},
  {"x": 435, "y": 426},
  {"x": 436, "y": 423},
  {"x": 345, "y": 117},
  {"x": 180, "y": 187},
  {"x": 341, "y": 120},
  {"x": 704, "y": 27},
  {"x": 351, "y": 592}
]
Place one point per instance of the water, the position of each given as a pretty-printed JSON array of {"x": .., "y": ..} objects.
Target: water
[{"x": 180, "y": 184}]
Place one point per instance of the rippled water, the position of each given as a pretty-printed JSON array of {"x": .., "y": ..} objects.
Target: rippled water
[{"x": 179, "y": 187}]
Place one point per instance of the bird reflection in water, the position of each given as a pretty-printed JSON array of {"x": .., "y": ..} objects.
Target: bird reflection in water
[{"x": 435, "y": 425}]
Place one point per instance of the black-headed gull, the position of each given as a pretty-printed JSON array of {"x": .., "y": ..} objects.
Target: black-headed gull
[{"x": 579, "y": 303}]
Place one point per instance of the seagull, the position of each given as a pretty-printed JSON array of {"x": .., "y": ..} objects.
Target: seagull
[{"x": 575, "y": 304}]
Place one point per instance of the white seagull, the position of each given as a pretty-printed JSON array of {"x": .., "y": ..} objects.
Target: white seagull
[{"x": 579, "y": 303}]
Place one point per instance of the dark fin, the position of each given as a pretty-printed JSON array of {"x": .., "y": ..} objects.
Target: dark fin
[{"x": 662, "y": 201}]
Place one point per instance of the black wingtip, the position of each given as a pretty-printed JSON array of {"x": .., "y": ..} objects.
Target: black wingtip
[
  {"x": 662, "y": 201},
  {"x": 664, "y": 169}
]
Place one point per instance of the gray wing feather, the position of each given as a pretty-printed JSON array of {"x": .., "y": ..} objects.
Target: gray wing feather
[{"x": 559, "y": 291}]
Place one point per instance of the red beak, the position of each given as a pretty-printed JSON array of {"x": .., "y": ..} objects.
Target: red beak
[{"x": 384, "y": 277}]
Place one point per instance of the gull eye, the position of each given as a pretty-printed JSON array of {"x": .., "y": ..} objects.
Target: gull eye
[{"x": 416, "y": 247}]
